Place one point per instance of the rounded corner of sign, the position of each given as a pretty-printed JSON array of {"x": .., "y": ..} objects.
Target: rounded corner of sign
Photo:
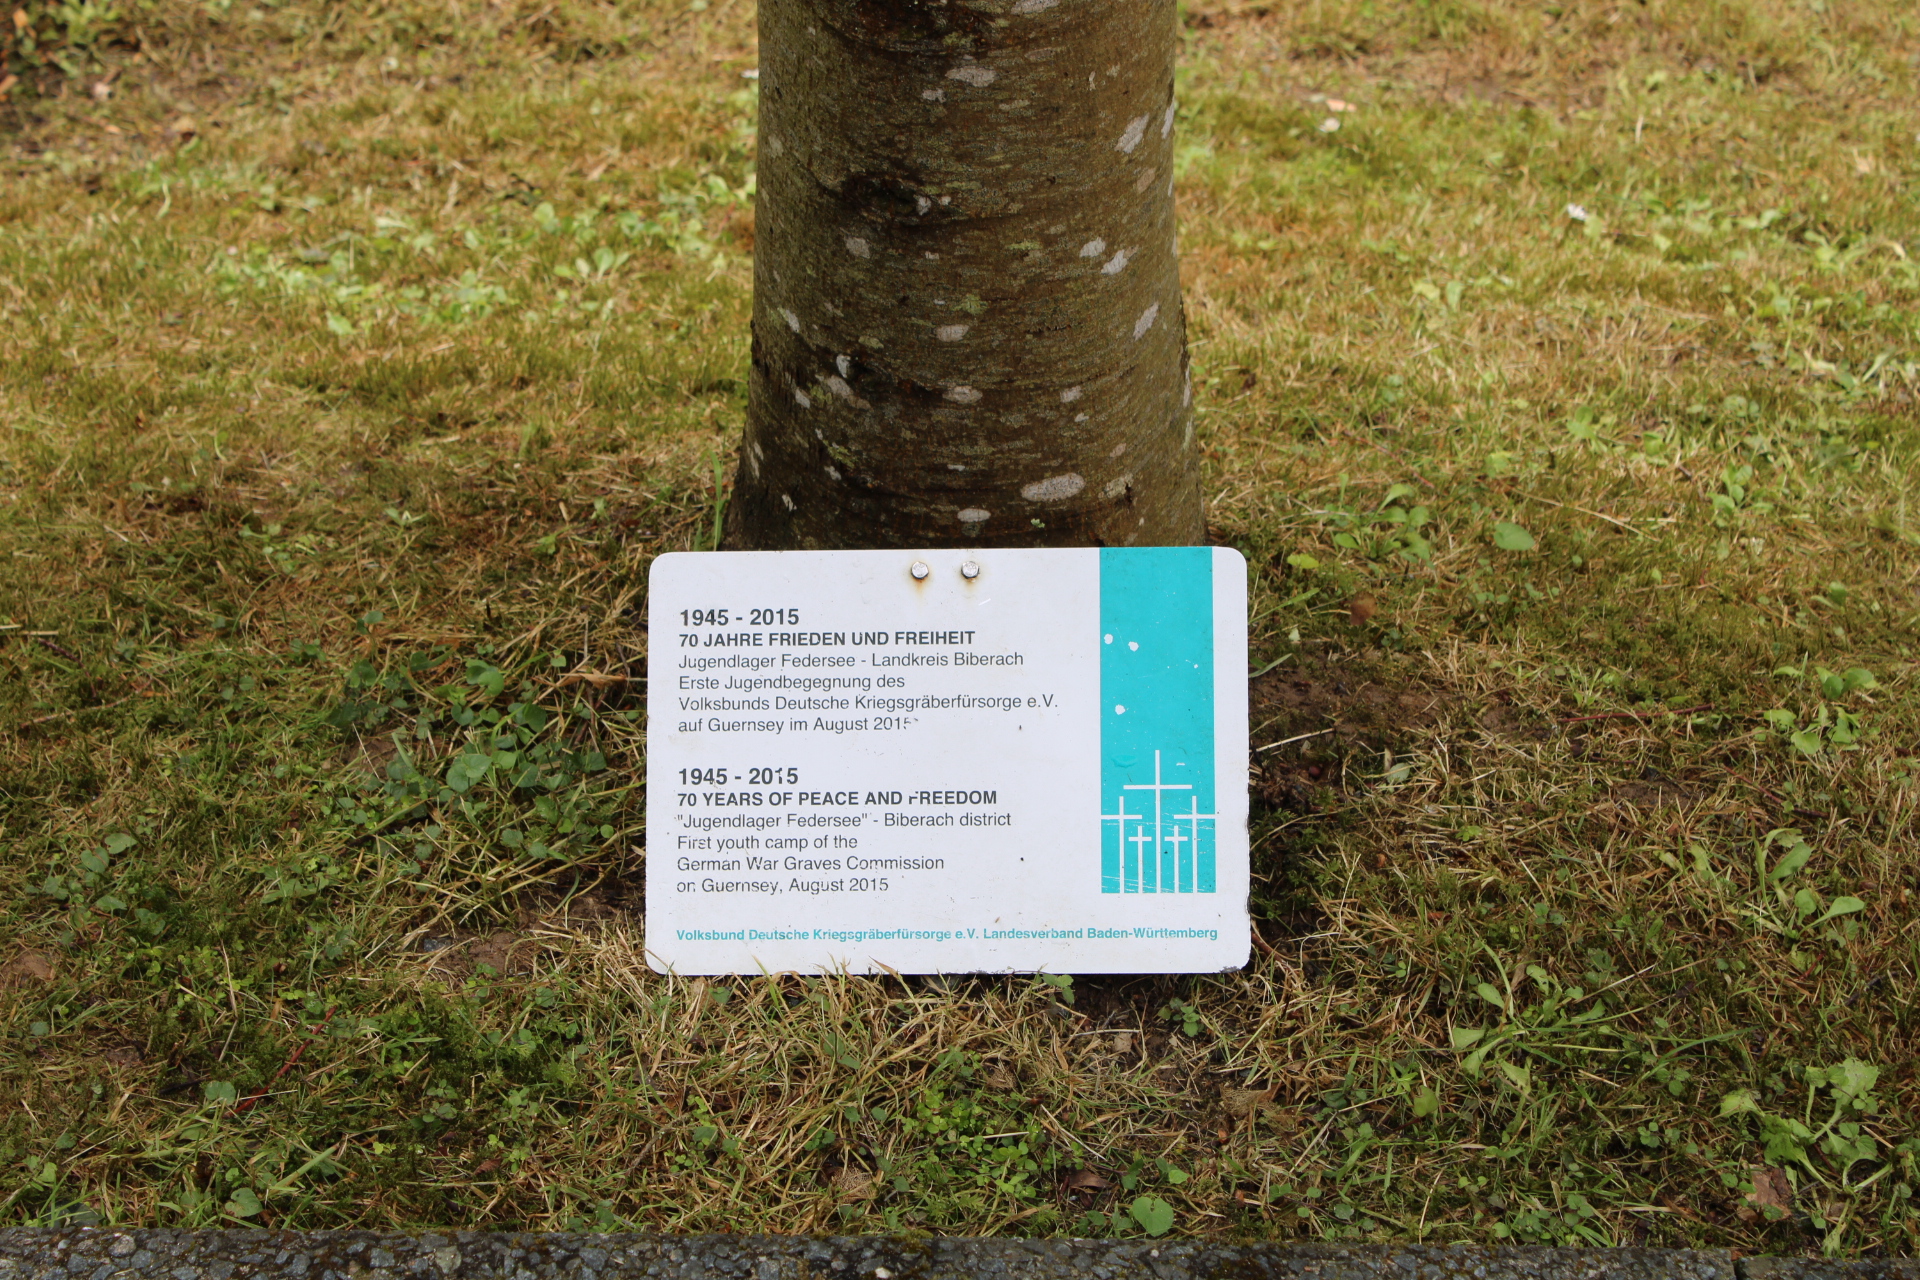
[{"x": 1231, "y": 555}]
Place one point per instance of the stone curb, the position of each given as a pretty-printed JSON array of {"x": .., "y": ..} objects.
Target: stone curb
[{"x": 86, "y": 1253}]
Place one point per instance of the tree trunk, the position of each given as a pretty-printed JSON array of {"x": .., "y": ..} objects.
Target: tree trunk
[{"x": 967, "y": 324}]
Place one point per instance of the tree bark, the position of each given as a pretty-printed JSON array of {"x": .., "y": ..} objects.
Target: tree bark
[{"x": 967, "y": 325}]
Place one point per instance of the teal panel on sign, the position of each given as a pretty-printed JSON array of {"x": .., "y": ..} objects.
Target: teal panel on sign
[{"x": 1157, "y": 819}]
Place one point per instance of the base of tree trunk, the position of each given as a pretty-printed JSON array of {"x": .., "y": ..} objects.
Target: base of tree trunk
[{"x": 967, "y": 323}]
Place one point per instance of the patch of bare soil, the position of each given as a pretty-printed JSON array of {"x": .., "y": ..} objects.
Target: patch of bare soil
[
  {"x": 588, "y": 910},
  {"x": 1653, "y": 791},
  {"x": 1347, "y": 704},
  {"x": 506, "y": 953},
  {"x": 125, "y": 1055},
  {"x": 1309, "y": 718},
  {"x": 369, "y": 754},
  {"x": 1771, "y": 1199},
  {"x": 1125, "y": 1001},
  {"x": 619, "y": 893},
  {"x": 1503, "y": 719},
  {"x": 29, "y": 968}
]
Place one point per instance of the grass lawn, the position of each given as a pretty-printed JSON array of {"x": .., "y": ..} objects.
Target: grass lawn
[{"x": 1557, "y": 371}]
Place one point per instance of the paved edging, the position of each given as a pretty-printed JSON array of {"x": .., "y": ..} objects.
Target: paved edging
[{"x": 84, "y": 1253}]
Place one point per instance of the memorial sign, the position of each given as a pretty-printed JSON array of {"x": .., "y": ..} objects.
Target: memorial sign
[{"x": 948, "y": 761}]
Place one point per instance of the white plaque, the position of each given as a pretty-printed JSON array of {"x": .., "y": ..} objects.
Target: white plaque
[{"x": 948, "y": 761}]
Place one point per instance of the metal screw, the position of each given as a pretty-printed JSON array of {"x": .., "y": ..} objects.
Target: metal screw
[
  {"x": 969, "y": 570},
  {"x": 920, "y": 570}
]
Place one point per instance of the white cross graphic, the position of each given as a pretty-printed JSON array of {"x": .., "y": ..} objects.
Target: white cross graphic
[
  {"x": 1175, "y": 839},
  {"x": 1120, "y": 821},
  {"x": 1138, "y": 839},
  {"x": 1194, "y": 819},
  {"x": 1159, "y": 789}
]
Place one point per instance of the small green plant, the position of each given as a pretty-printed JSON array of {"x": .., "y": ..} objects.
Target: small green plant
[
  {"x": 504, "y": 775},
  {"x": 1587, "y": 426},
  {"x": 964, "y": 1147},
  {"x": 1147, "y": 1212},
  {"x": 1800, "y": 910},
  {"x": 58, "y": 34},
  {"x": 1575, "y": 1222},
  {"x": 1061, "y": 985},
  {"x": 1154, "y": 1215},
  {"x": 680, "y": 226},
  {"x": 1737, "y": 497},
  {"x": 1183, "y": 1015},
  {"x": 1394, "y": 532},
  {"x": 1560, "y": 1019},
  {"x": 1825, "y": 1156},
  {"x": 1512, "y": 537},
  {"x": 1831, "y": 726},
  {"x": 1772, "y": 900},
  {"x": 84, "y": 887}
]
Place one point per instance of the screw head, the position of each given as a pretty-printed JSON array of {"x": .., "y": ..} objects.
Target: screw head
[
  {"x": 969, "y": 570},
  {"x": 919, "y": 570}
]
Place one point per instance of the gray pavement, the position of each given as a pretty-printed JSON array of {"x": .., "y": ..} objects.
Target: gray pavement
[{"x": 86, "y": 1253}]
